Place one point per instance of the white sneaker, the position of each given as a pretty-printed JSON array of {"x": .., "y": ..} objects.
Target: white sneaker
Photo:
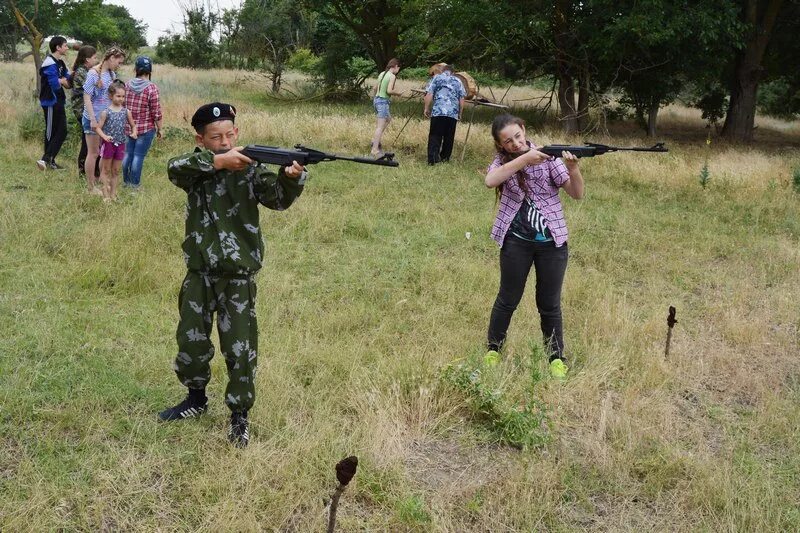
[{"x": 42, "y": 164}]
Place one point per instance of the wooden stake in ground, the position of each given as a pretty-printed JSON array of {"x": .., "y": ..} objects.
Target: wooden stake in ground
[
  {"x": 345, "y": 470},
  {"x": 670, "y": 324}
]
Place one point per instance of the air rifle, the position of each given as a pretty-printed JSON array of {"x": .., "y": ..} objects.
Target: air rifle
[
  {"x": 593, "y": 149},
  {"x": 308, "y": 156}
]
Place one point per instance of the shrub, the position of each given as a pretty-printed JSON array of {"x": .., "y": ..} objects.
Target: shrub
[
  {"x": 712, "y": 100},
  {"x": 31, "y": 125},
  {"x": 304, "y": 60},
  {"x": 519, "y": 426},
  {"x": 778, "y": 98}
]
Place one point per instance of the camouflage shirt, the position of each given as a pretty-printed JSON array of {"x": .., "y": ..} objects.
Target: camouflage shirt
[
  {"x": 78, "y": 78},
  {"x": 222, "y": 232}
]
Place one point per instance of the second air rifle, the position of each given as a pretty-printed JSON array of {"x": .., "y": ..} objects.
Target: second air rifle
[
  {"x": 593, "y": 149},
  {"x": 308, "y": 156}
]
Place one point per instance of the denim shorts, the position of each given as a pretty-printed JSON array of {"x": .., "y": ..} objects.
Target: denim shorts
[
  {"x": 87, "y": 126},
  {"x": 381, "y": 107}
]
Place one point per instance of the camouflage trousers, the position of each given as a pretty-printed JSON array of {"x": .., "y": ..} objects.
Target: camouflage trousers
[{"x": 233, "y": 301}]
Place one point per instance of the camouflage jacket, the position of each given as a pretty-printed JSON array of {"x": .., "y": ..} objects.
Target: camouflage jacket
[{"x": 222, "y": 231}]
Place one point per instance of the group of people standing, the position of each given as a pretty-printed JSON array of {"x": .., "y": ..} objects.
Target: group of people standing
[
  {"x": 225, "y": 186},
  {"x": 444, "y": 105},
  {"x": 118, "y": 121}
]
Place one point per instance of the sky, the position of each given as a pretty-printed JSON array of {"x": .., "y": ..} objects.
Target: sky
[{"x": 162, "y": 15}]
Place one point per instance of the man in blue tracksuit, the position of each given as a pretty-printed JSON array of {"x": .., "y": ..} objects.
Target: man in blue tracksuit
[{"x": 54, "y": 77}]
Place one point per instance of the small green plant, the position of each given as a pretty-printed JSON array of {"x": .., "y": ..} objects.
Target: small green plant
[
  {"x": 705, "y": 175},
  {"x": 411, "y": 511},
  {"x": 521, "y": 426},
  {"x": 796, "y": 180}
]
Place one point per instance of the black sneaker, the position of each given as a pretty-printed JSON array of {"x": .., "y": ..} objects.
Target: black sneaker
[
  {"x": 54, "y": 166},
  {"x": 188, "y": 408},
  {"x": 239, "y": 433}
]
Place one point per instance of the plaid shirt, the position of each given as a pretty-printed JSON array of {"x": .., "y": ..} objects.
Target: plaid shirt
[
  {"x": 543, "y": 182},
  {"x": 145, "y": 108}
]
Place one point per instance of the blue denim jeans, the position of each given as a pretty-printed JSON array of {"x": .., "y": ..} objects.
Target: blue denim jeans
[{"x": 135, "y": 151}]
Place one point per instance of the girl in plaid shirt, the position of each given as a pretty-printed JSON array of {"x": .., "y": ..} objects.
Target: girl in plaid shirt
[
  {"x": 531, "y": 231},
  {"x": 142, "y": 100}
]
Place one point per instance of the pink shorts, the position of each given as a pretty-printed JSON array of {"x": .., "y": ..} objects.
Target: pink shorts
[{"x": 111, "y": 151}]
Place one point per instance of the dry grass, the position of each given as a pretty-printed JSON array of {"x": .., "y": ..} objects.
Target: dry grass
[{"x": 369, "y": 290}]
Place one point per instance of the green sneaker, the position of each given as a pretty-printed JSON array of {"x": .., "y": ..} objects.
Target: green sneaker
[
  {"x": 558, "y": 369},
  {"x": 491, "y": 358}
]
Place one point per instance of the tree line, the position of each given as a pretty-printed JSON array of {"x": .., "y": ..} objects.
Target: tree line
[{"x": 725, "y": 57}]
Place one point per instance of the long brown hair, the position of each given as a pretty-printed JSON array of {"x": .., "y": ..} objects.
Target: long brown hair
[
  {"x": 498, "y": 124},
  {"x": 114, "y": 51},
  {"x": 84, "y": 53},
  {"x": 393, "y": 62}
]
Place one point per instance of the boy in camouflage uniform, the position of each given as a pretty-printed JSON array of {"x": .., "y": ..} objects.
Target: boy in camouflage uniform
[{"x": 223, "y": 251}]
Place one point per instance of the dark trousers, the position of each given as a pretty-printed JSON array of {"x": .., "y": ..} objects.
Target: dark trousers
[
  {"x": 82, "y": 154},
  {"x": 550, "y": 263},
  {"x": 55, "y": 130},
  {"x": 440, "y": 139}
]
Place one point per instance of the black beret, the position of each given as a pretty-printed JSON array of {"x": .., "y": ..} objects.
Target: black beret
[{"x": 213, "y": 112}]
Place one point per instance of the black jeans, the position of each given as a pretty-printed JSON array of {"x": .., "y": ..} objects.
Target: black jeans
[
  {"x": 516, "y": 258},
  {"x": 55, "y": 130},
  {"x": 440, "y": 139}
]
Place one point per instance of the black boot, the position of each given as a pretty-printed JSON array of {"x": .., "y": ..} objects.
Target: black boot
[
  {"x": 239, "y": 432},
  {"x": 195, "y": 404}
]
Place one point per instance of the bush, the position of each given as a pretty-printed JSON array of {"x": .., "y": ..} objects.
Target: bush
[
  {"x": 779, "y": 99},
  {"x": 520, "y": 426},
  {"x": 304, "y": 60},
  {"x": 712, "y": 100},
  {"x": 415, "y": 73},
  {"x": 31, "y": 125}
]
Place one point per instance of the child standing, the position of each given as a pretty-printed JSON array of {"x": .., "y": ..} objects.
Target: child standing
[
  {"x": 111, "y": 130},
  {"x": 95, "y": 100},
  {"x": 531, "y": 231},
  {"x": 54, "y": 77},
  {"x": 383, "y": 90},
  {"x": 86, "y": 59},
  {"x": 223, "y": 250}
]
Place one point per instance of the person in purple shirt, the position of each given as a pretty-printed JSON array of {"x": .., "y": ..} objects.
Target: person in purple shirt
[{"x": 531, "y": 231}]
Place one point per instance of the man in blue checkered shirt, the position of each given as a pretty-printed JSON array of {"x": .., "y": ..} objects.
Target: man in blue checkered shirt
[{"x": 445, "y": 94}]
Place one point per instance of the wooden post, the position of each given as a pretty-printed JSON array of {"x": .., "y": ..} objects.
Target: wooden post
[
  {"x": 670, "y": 324},
  {"x": 464, "y": 149},
  {"x": 345, "y": 470}
]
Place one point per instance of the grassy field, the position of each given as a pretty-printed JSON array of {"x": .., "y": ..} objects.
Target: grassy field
[{"x": 373, "y": 306}]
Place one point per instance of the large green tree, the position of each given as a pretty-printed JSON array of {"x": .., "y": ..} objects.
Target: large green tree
[
  {"x": 760, "y": 17},
  {"x": 196, "y": 46},
  {"x": 99, "y": 24},
  {"x": 651, "y": 49},
  {"x": 269, "y": 31},
  {"x": 384, "y": 28},
  {"x": 35, "y": 20}
]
